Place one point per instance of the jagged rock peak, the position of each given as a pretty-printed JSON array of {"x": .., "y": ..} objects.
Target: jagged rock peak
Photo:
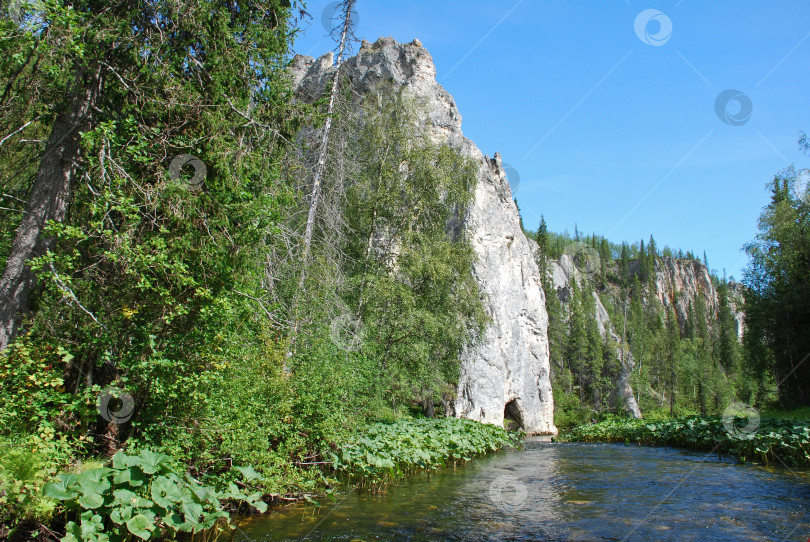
[{"x": 506, "y": 373}]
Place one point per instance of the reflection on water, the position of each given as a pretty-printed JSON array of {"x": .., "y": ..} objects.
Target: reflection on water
[{"x": 563, "y": 492}]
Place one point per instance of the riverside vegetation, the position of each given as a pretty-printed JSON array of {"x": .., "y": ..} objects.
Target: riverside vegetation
[
  {"x": 771, "y": 440},
  {"x": 170, "y": 328},
  {"x": 175, "y": 347}
]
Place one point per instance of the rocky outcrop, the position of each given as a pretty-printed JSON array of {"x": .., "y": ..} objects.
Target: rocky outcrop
[
  {"x": 506, "y": 373},
  {"x": 508, "y": 370},
  {"x": 562, "y": 272},
  {"x": 678, "y": 283}
]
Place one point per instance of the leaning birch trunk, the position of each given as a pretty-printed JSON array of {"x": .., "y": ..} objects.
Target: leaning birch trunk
[{"x": 49, "y": 200}]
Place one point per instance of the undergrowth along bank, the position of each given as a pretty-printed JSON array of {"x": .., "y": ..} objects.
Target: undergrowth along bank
[
  {"x": 778, "y": 441},
  {"x": 150, "y": 496},
  {"x": 390, "y": 451}
]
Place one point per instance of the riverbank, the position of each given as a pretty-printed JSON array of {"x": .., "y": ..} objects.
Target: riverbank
[
  {"x": 153, "y": 496},
  {"x": 773, "y": 440}
]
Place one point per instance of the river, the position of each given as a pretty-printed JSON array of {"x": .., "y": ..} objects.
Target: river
[{"x": 561, "y": 492}]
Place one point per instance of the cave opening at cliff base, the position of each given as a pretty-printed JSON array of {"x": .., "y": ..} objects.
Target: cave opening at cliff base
[{"x": 511, "y": 416}]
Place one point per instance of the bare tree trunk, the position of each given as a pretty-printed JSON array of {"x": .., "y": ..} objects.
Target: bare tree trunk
[
  {"x": 346, "y": 23},
  {"x": 346, "y": 34},
  {"x": 49, "y": 200}
]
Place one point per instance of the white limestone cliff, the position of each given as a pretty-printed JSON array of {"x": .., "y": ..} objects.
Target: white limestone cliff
[{"x": 506, "y": 373}]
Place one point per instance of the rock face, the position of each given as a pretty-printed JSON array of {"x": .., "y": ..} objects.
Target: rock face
[
  {"x": 676, "y": 285},
  {"x": 679, "y": 282},
  {"x": 506, "y": 373},
  {"x": 509, "y": 369},
  {"x": 562, "y": 271}
]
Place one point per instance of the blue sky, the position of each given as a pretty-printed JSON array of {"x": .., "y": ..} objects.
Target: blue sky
[{"x": 614, "y": 130}]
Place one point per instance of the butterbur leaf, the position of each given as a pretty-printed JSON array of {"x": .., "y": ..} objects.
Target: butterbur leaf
[
  {"x": 173, "y": 521},
  {"x": 91, "y": 501},
  {"x": 203, "y": 493},
  {"x": 261, "y": 506},
  {"x": 192, "y": 511},
  {"x": 165, "y": 492},
  {"x": 119, "y": 460},
  {"x": 133, "y": 476},
  {"x": 60, "y": 490},
  {"x": 125, "y": 496},
  {"x": 140, "y": 526},
  {"x": 249, "y": 473},
  {"x": 91, "y": 527},
  {"x": 73, "y": 532},
  {"x": 121, "y": 514},
  {"x": 97, "y": 475},
  {"x": 211, "y": 519},
  {"x": 150, "y": 462}
]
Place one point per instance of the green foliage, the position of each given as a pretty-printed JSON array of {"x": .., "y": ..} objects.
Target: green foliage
[
  {"x": 778, "y": 298},
  {"x": 24, "y": 468},
  {"x": 143, "y": 496},
  {"x": 569, "y": 412},
  {"x": 776, "y": 440},
  {"x": 386, "y": 451},
  {"x": 409, "y": 273}
]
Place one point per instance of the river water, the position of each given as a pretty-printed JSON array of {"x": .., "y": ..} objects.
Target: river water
[{"x": 560, "y": 492}]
